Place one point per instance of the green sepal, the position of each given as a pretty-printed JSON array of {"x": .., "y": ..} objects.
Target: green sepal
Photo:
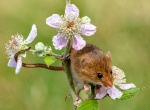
[
  {"x": 129, "y": 93},
  {"x": 49, "y": 60},
  {"x": 23, "y": 55},
  {"x": 88, "y": 105},
  {"x": 40, "y": 54}
]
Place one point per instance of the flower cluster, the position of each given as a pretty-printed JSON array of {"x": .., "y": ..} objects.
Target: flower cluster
[
  {"x": 41, "y": 50},
  {"x": 69, "y": 27},
  {"x": 119, "y": 81},
  {"x": 16, "y": 44}
]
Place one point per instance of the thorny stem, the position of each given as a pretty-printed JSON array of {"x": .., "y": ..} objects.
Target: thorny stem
[
  {"x": 68, "y": 72},
  {"x": 57, "y": 56},
  {"x": 36, "y": 65},
  {"x": 67, "y": 67}
]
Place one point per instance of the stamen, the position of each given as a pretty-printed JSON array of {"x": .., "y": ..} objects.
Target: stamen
[
  {"x": 14, "y": 45},
  {"x": 69, "y": 27}
]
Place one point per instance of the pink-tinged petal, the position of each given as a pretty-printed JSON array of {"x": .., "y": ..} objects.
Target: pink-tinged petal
[
  {"x": 78, "y": 43},
  {"x": 88, "y": 29},
  {"x": 126, "y": 86},
  {"x": 12, "y": 63},
  {"x": 102, "y": 93},
  {"x": 71, "y": 10},
  {"x": 114, "y": 93},
  {"x": 19, "y": 65},
  {"x": 59, "y": 42},
  {"x": 32, "y": 34},
  {"x": 54, "y": 21}
]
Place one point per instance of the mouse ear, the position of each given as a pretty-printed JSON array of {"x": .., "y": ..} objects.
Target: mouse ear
[{"x": 108, "y": 55}]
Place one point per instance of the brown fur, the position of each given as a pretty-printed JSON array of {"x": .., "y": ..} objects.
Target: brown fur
[{"x": 90, "y": 61}]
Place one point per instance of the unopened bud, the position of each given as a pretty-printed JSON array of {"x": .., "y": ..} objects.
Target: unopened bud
[
  {"x": 39, "y": 46},
  {"x": 85, "y": 19},
  {"x": 48, "y": 50}
]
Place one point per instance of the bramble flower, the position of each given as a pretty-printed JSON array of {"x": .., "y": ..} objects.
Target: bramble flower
[
  {"x": 118, "y": 75},
  {"x": 113, "y": 92},
  {"x": 120, "y": 81},
  {"x": 69, "y": 27},
  {"x": 16, "y": 44}
]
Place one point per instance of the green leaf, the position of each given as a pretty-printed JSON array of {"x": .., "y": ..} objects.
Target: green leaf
[
  {"x": 49, "y": 60},
  {"x": 129, "y": 93},
  {"x": 88, "y": 105}
]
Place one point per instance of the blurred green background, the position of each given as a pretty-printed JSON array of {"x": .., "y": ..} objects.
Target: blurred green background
[{"x": 123, "y": 27}]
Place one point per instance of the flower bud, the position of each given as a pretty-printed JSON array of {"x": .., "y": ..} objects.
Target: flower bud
[
  {"x": 39, "y": 46},
  {"x": 48, "y": 50},
  {"x": 85, "y": 19}
]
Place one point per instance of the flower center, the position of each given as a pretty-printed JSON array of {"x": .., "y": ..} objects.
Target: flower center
[
  {"x": 14, "y": 45},
  {"x": 70, "y": 24},
  {"x": 69, "y": 27}
]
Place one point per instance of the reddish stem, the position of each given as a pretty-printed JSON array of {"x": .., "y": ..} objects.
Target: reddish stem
[{"x": 36, "y": 65}]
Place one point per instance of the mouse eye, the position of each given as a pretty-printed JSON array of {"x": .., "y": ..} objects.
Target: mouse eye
[
  {"x": 110, "y": 71},
  {"x": 99, "y": 75}
]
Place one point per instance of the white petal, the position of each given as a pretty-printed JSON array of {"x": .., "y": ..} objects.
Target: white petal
[
  {"x": 32, "y": 34},
  {"x": 102, "y": 93},
  {"x": 19, "y": 65},
  {"x": 78, "y": 43},
  {"x": 59, "y": 42},
  {"x": 126, "y": 86},
  {"x": 12, "y": 62},
  {"x": 71, "y": 10},
  {"x": 54, "y": 21},
  {"x": 88, "y": 29},
  {"x": 114, "y": 93}
]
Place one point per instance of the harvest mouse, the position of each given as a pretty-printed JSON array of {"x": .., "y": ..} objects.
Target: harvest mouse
[{"x": 91, "y": 65}]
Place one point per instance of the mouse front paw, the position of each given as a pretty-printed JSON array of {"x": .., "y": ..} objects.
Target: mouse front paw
[
  {"x": 78, "y": 101},
  {"x": 87, "y": 88}
]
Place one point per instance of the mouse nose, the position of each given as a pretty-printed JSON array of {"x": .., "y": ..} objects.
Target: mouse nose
[{"x": 107, "y": 83}]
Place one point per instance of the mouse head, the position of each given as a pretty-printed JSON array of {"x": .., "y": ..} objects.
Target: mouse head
[{"x": 98, "y": 71}]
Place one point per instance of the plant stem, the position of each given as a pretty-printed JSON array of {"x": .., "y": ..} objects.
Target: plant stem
[
  {"x": 69, "y": 74},
  {"x": 36, "y": 65},
  {"x": 68, "y": 2},
  {"x": 57, "y": 56},
  {"x": 92, "y": 94}
]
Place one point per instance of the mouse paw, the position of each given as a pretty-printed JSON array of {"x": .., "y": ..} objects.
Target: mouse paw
[
  {"x": 78, "y": 101},
  {"x": 87, "y": 88}
]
